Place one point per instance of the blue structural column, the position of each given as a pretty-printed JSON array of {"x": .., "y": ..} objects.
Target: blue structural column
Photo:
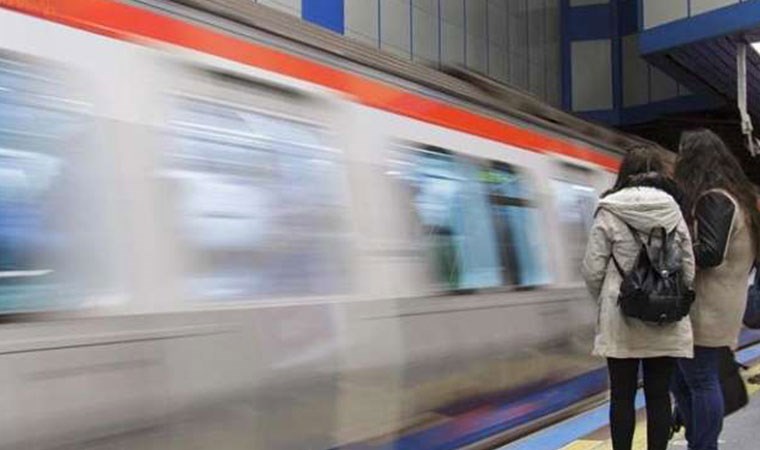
[
  {"x": 565, "y": 56},
  {"x": 617, "y": 55},
  {"x": 326, "y": 13}
]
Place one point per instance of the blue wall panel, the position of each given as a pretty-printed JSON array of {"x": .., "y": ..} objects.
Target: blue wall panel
[
  {"x": 326, "y": 13},
  {"x": 589, "y": 22}
]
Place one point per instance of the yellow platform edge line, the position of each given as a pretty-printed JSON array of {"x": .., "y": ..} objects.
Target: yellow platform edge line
[{"x": 639, "y": 439}]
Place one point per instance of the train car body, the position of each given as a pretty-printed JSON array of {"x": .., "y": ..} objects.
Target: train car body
[{"x": 210, "y": 240}]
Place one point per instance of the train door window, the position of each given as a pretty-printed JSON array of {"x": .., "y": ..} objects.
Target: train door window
[
  {"x": 449, "y": 204},
  {"x": 54, "y": 250},
  {"x": 260, "y": 202},
  {"x": 516, "y": 219},
  {"x": 575, "y": 202}
]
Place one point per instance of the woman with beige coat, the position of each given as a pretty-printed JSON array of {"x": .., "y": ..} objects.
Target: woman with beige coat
[
  {"x": 720, "y": 204},
  {"x": 642, "y": 200}
]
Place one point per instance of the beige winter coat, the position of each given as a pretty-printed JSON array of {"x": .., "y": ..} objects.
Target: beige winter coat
[
  {"x": 722, "y": 290},
  {"x": 618, "y": 336}
]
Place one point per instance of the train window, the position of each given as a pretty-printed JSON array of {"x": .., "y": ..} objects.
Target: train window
[
  {"x": 54, "y": 250},
  {"x": 516, "y": 218},
  {"x": 260, "y": 203},
  {"x": 449, "y": 196},
  {"x": 575, "y": 204}
]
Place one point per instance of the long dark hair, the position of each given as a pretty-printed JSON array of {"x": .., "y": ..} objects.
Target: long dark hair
[
  {"x": 639, "y": 161},
  {"x": 705, "y": 163}
]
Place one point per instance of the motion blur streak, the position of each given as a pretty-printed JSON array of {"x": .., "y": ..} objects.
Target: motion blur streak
[{"x": 200, "y": 254}]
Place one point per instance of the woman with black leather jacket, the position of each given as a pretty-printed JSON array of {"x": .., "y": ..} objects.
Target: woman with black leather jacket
[{"x": 719, "y": 204}]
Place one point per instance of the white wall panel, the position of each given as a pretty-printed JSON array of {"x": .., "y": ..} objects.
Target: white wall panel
[
  {"x": 553, "y": 55},
  {"x": 497, "y": 22},
  {"x": 703, "y": 6},
  {"x": 425, "y": 30},
  {"x": 663, "y": 87},
  {"x": 591, "y": 75},
  {"x": 497, "y": 63},
  {"x": 497, "y": 40},
  {"x": 452, "y": 31},
  {"x": 658, "y": 12},
  {"x": 514, "y": 41},
  {"x": 477, "y": 54},
  {"x": 517, "y": 29},
  {"x": 361, "y": 20},
  {"x": 395, "y": 27},
  {"x": 428, "y": 6},
  {"x": 635, "y": 73},
  {"x": 452, "y": 44},
  {"x": 452, "y": 11},
  {"x": 537, "y": 48},
  {"x": 477, "y": 27},
  {"x": 288, "y": 6}
]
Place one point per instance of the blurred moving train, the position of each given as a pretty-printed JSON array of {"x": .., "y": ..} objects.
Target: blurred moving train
[{"x": 224, "y": 228}]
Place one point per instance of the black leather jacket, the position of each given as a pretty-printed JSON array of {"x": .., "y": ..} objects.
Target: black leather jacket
[{"x": 713, "y": 219}]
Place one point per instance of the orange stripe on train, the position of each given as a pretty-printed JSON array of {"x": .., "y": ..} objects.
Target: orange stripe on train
[{"x": 121, "y": 21}]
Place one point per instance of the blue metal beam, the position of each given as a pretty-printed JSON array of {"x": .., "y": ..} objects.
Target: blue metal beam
[{"x": 730, "y": 20}]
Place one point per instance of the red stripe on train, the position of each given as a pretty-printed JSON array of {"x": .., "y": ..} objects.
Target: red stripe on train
[{"x": 118, "y": 20}]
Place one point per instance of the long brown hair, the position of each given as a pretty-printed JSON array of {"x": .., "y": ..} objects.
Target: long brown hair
[
  {"x": 639, "y": 160},
  {"x": 705, "y": 163}
]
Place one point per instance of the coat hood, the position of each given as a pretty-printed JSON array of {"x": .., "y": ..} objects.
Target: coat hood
[{"x": 643, "y": 208}]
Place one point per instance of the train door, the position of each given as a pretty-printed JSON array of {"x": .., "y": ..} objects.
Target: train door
[{"x": 253, "y": 204}]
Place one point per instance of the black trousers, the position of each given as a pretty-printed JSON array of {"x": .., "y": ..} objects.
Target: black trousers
[{"x": 623, "y": 387}]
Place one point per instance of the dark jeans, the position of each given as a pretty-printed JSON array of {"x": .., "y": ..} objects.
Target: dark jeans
[
  {"x": 696, "y": 388},
  {"x": 623, "y": 386}
]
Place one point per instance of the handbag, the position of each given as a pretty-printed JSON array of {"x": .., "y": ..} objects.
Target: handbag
[
  {"x": 752, "y": 312},
  {"x": 735, "y": 395}
]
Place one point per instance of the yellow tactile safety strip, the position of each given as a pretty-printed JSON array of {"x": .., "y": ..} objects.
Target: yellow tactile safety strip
[{"x": 639, "y": 438}]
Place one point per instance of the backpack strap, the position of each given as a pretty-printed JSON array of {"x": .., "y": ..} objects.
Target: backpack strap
[
  {"x": 617, "y": 265},
  {"x": 636, "y": 238},
  {"x": 635, "y": 234}
]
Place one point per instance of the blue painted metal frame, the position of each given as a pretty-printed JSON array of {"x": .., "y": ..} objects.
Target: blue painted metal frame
[
  {"x": 729, "y": 20},
  {"x": 616, "y": 46},
  {"x": 613, "y": 21},
  {"x": 567, "y": 79},
  {"x": 628, "y": 16},
  {"x": 651, "y": 111},
  {"x": 591, "y": 22},
  {"x": 326, "y": 13}
]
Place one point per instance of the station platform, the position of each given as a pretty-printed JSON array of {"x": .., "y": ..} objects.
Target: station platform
[{"x": 590, "y": 430}]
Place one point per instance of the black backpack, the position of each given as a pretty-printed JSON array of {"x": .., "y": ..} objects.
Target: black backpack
[{"x": 654, "y": 289}]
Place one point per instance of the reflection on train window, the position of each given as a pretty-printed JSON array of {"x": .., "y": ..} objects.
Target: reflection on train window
[
  {"x": 51, "y": 247},
  {"x": 575, "y": 208},
  {"x": 516, "y": 218},
  {"x": 476, "y": 221},
  {"x": 260, "y": 204}
]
